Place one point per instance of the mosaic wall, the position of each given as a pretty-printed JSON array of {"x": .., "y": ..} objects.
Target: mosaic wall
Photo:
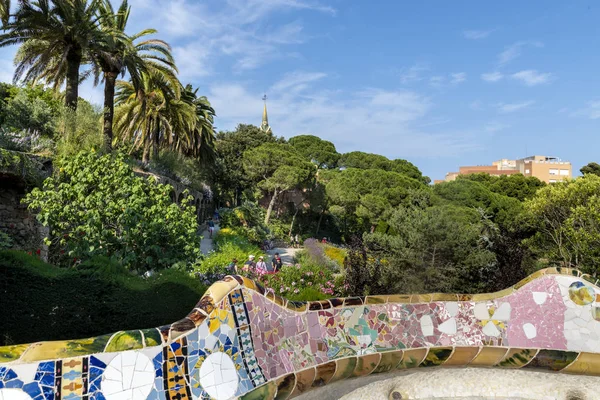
[{"x": 242, "y": 343}]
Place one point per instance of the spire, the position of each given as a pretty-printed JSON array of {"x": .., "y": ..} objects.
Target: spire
[{"x": 264, "y": 126}]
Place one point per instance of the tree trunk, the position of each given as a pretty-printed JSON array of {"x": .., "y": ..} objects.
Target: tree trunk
[
  {"x": 292, "y": 224},
  {"x": 109, "y": 108},
  {"x": 156, "y": 140},
  {"x": 271, "y": 204},
  {"x": 72, "y": 85}
]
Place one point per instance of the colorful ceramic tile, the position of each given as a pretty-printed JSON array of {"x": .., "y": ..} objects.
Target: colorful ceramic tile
[
  {"x": 389, "y": 361},
  {"x": 436, "y": 356},
  {"x": 345, "y": 368},
  {"x": 127, "y": 340},
  {"x": 462, "y": 356},
  {"x": 489, "y": 356},
  {"x": 412, "y": 358},
  {"x": 304, "y": 381},
  {"x": 517, "y": 358},
  {"x": 285, "y": 386}
]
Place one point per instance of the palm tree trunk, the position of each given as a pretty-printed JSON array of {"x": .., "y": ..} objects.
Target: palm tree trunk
[
  {"x": 271, "y": 204},
  {"x": 109, "y": 108},
  {"x": 72, "y": 85},
  {"x": 156, "y": 140}
]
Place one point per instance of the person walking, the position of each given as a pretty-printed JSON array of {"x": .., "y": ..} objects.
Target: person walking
[
  {"x": 297, "y": 240},
  {"x": 211, "y": 227},
  {"x": 261, "y": 266},
  {"x": 277, "y": 263}
]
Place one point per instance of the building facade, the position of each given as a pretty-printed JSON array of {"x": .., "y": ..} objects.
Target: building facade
[{"x": 545, "y": 168}]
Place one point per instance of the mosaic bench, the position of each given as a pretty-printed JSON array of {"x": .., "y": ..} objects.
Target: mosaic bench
[{"x": 240, "y": 342}]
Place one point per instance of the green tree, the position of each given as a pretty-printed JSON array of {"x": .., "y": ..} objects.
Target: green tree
[
  {"x": 434, "y": 249},
  {"x": 230, "y": 181},
  {"x": 591, "y": 168},
  {"x": 97, "y": 206},
  {"x": 154, "y": 116},
  {"x": 117, "y": 53},
  {"x": 276, "y": 168},
  {"x": 55, "y": 39},
  {"x": 364, "y": 197},
  {"x": 566, "y": 216},
  {"x": 519, "y": 186},
  {"x": 316, "y": 150},
  {"x": 361, "y": 160},
  {"x": 199, "y": 142}
]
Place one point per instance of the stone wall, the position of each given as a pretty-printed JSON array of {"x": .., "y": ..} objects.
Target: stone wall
[{"x": 241, "y": 341}]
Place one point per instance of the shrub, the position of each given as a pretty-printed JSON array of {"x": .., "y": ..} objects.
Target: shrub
[
  {"x": 43, "y": 302},
  {"x": 6, "y": 241},
  {"x": 320, "y": 254},
  {"x": 336, "y": 254},
  {"x": 302, "y": 282},
  {"x": 229, "y": 244},
  {"x": 246, "y": 219},
  {"x": 96, "y": 206}
]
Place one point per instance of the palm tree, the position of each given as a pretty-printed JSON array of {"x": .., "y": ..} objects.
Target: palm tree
[
  {"x": 55, "y": 37},
  {"x": 118, "y": 53},
  {"x": 200, "y": 141},
  {"x": 4, "y": 11},
  {"x": 153, "y": 116}
]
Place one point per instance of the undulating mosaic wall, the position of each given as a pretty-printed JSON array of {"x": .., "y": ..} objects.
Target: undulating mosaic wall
[{"x": 242, "y": 342}]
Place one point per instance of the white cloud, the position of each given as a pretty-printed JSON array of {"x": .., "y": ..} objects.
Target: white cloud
[
  {"x": 436, "y": 81},
  {"x": 531, "y": 77},
  {"x": 492, "y": 76},
  {"x": 474, "y": 34},
  {"x": 396, "y": 122},
  {"x": 458, "y": 77},
  {"x": 591, "y": 111},
  {"x": 413, "y": 74},
  {"x": 296, "y": 81},
  {"x": 514, "y": 50},
  {"x": 512, "y": 107}
]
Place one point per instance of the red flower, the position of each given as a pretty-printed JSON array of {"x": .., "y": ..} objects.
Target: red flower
[{"x": 38, "y": 251}]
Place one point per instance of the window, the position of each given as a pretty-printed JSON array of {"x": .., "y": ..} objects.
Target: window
[
  {"x": 526, "y": 171},
  {"x": 553, "y": 171},
  {"x": 564, "y": 172},
  {"x": 552, "y": 181}
]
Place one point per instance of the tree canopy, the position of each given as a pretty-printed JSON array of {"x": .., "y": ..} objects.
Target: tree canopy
[{"x": 316, "y": 150}]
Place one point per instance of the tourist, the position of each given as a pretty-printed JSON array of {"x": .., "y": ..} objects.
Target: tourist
[
  {"x": 297, "y": 240},
  {"x": 261, "y": 266},
  {"x": 277, "y": 263},
  {"x": 211, "y": 227},
  {"x": 232, "y": 268}
]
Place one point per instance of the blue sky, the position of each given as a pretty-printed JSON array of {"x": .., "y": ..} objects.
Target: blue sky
[{"x": 441, "y": 84}]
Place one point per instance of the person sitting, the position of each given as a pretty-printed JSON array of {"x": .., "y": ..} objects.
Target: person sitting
[
  {"x": 232, "y": 268},
  {"x": 261, "y": 266},
  {"x": 277, "y": 263}
]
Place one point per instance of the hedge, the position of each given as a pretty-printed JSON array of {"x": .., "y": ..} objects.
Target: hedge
[{"x": 39, "y": 301}]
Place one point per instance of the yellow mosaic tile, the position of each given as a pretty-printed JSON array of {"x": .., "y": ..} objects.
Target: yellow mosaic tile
[
  {"x": 420, "y": 298},
  {"x": 64, "y": 348},
  {"x": 304, "y": 381},
  {"x": 11, "y": 353},
  {"x": 412, "y": 358},
  {"x": 462, "y": 356},
  {"x": 324, "y": 373},
  {"x": 585, "y": 364},
  {"x": 376, "y": 299},
  {"x": 517, "y": 358},
  {"x": 366, "y": 364},
  {"x": 285, "y": 386},
  {"x": 444, "y": 297},
  {"x": 489, "y": 356},
  {"x": 399, "y": 298},
  {"x": 345, "y": 368},
  {"x": 389, "y": 361}
]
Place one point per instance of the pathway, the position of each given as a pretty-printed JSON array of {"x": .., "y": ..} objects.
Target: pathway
[
  {"x": 206, "y": 245},
  {"x": 286, "y": 253}
]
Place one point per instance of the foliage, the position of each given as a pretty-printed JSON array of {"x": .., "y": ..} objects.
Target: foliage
[
  {"x": 180, "y": 168},
  {"x": 276, "y": 168},
  {"x": 360, "y": 160},
  {"x": 246, "y": 219},
  {"x": 517, "y": 186},
  {"x": 231, "y": 183},
  {"x": 364, "y": 197},
  {"x": 336, "y": 254},
  {"x": 566, "y": 218},
  {"x": 81, "y": 129},
  {"x": 30, "y": 109},
  {"x": 229, "y": 244},
  {"x": 97, "y": 298},
  {"x": 95, "y": 205},
  {"x": 303, "y": 282},
  {"x": 315, "y": 253},
  {"x": 6, "y": 241},
  {"x": 316, "y": 150},
  {"x": 591, "y": 168},
  {"x": 435, "y": 249}
]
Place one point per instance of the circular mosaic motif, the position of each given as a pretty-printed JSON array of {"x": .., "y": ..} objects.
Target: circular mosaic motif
[
  {"x": 130, "y": 375},
  {"x": 581, "y": 294},
  {"x": 218, "y": 376},
  {"x": 13, "y": 394}
]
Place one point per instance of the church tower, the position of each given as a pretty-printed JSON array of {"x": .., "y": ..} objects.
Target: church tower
[{"x": 264, "y": 126}]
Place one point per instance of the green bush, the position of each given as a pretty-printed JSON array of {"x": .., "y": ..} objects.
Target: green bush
[
  {"x": 97, "y": 206},
  {"x": 79, "y": 130},
  {"x": 247, "y": 219},
  {"x": 39, "y": 301},
  {"x": 229, "y": 244},
  {"x": 6, "y": 241}
]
